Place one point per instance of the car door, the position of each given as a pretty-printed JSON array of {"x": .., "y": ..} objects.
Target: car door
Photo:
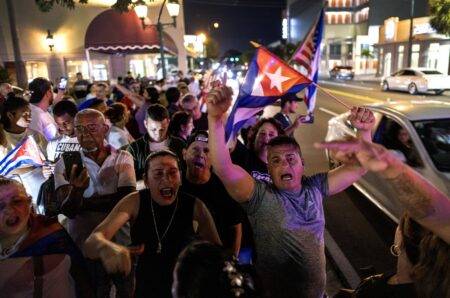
[
  {"x": 405, "y": 79},
  {"x": 393, "y": 80}
]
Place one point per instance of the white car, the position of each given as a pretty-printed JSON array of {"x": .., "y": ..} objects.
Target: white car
[
  {"x": 424, "y": 126},
  {"x": 417, "y": 80}
]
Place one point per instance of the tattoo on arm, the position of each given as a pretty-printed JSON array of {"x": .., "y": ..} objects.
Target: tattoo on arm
[{"x": 414, "y": 195}]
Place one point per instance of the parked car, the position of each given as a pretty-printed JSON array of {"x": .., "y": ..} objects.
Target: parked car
[
  {"x": 342, "y": 72},
  {"x": 424, "y": 126},
  {"x": 417, "y": 80}
]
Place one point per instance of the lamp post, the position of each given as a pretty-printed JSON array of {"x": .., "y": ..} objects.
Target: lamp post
[
  {"x": 49, "y": 40},
  {"x": 173, "y": 7}
]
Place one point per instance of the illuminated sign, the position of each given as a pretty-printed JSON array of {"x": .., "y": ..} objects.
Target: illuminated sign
[
  {"x": 389, "y": 28},
  {"x": 424, "y": 28}
]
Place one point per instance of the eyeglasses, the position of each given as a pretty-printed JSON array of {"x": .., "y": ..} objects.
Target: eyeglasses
[
  {"x": 16, "y": 203},
  {"x": 87, "y": 128}
]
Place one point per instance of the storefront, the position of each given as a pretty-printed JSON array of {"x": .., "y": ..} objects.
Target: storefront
[
  {"x": 429, "y": 49},
  {"x": 100, "y": 43}
]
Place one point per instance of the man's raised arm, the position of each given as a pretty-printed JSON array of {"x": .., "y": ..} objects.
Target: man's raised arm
[
  {"x": 423, "y": 201},
  {"x": 237, "y": 181}
]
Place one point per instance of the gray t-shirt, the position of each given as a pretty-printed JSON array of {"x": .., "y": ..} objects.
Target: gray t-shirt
[{"x": 288, "y": 230}]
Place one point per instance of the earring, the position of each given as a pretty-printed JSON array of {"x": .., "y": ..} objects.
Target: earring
[{"x": 395, "y": 251}]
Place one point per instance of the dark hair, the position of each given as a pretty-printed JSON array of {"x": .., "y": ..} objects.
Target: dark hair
[
  {"x": 157, "y": 112},
  {"x": 38, "y": 88},
  {"x": 188, "y": 98},
  {"x": 198, "y": 135},
  {"x": 285, "y": 140},
  {"x": 159, "y": 153},
  {"x": 11, "y": 104},
  {"x": 207, "y": 270},
  {"x": 153, "y": 94},
  {"x": 430, "y": 257},
  {"x": 65, "y": 107},
  {"x": 116, "y": 112},
  {"x": 172, "y": 95},
  {"x": 179, "y": 118},
  {"x": 254, "y": 130}
]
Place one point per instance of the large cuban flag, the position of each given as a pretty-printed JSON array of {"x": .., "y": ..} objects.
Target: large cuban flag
[
  {"x": 26, "y": 153},
  {"x": 268, "y": 78}
]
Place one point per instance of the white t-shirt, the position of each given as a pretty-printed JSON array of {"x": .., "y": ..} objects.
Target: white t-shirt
[
  {"x": 42, "y": 122},
  {"x": 60, "y": 145},
  {"x": 116, "y": 171},
  {"x": 118, "y": 137}
]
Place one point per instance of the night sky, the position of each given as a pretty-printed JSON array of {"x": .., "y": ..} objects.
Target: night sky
[{"x": 240, "y": 21}]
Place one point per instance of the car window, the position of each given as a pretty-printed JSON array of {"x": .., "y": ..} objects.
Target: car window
[
  {"x": 435, "y": 136},
  {"x": 408, "y": 73},
  {"x": 398, "y": 73},
  {"x": 431, "y": 72},
  {"x": 396, "y": 137}
]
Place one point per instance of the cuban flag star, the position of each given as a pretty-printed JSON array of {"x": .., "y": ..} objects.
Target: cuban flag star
[{"x": 268, "y": 78}]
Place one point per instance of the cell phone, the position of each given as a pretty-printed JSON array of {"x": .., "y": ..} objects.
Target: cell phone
[
  {"x": 70, "y": 159},
  {"x": 62, "y": 84}
]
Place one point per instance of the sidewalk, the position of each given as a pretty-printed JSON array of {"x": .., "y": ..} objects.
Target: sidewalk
[{"x": 367, "y": 78}]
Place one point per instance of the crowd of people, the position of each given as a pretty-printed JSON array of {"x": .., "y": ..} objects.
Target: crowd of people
[{"x": 139, "y": 196}]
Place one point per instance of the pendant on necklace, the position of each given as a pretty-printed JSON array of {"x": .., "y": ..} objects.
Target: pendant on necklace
[{"x": 158, "y": 250}]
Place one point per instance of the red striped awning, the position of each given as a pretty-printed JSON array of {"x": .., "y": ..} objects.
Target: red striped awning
[{"x": 115, "y": 32}]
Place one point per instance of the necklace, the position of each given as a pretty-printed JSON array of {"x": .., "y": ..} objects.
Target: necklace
[
  {"x": 6, "y": 252},
  {"x": 159, "y": 249}
]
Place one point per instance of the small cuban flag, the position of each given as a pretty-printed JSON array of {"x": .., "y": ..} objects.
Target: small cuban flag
[
  {"x": 268, "y": 79},
  {"x": 26, "y": 153}
]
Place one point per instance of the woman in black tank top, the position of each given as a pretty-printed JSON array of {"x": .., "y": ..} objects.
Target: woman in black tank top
[
  {"x": 161, "y": 220},
  {"x": 154, "y": 267}
]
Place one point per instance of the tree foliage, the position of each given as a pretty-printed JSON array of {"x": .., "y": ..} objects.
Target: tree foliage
[
  {"x": 47, "y": 5},
  {"x": 440, "y": 15},
  {"x": 212, "y": 48}
]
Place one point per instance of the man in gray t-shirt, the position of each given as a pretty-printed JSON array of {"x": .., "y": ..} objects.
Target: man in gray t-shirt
[
  {"x": 288, "y": 230},
  {"x": 287, "y": 214}
]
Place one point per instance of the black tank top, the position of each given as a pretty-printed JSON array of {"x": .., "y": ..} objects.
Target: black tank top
[{"x": 154, "y": 271}]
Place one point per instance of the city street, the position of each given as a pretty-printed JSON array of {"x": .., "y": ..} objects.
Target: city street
[{"x": 355, "y": 226}]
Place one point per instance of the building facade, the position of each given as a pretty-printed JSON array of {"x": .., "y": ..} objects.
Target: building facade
[
  {"x": 347, "y": 39},
  {"x": 428, "y": 49},
  {"x": 91, "y": 39}
]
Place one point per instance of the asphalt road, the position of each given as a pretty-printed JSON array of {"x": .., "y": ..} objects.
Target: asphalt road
[{"x": 362, "y": 232}]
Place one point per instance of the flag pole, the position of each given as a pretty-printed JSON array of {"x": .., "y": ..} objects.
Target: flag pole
[{"x": 331, "y": 95}]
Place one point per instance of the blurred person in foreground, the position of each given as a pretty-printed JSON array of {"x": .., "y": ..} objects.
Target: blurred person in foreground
[
  {"x": 37, "y": 256},
  {"x": 205, "y": 270},
  {"x": 162, "y": 220},
  {"x": 423, "y": 267}
]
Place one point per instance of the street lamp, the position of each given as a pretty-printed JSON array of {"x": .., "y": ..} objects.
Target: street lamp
[
  {"x": 173, "y": 6},
  {"x": 49, "y": 40}
]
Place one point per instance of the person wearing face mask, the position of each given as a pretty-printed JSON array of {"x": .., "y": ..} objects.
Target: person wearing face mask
[
  {"x": 162, "y": 224},
  {"x": 253, "y": 158},
  {"x": 37, "y": 256},
  {"x": 286, "y": 215},
  {"x": 14, "y": 128},
  {"x": 87, "y": 197},
  {"x": 156, "y": 138}
]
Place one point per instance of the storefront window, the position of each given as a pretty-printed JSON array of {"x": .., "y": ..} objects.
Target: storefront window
[
  {"x": 36, "y": 69},
  {"x": 100, "y": 70},
  {"x": 387, "y": 64},
  {"x": 75, "y": 66},
  {"x": 433, "y": 56},
  {"x": 415, "y": 55},
  {"x": 401, "y": 49}
]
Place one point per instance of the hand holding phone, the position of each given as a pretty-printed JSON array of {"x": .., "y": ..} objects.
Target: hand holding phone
[
  {"x": 62, "y": 84},
  {"x": 75, "y": 172}
]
